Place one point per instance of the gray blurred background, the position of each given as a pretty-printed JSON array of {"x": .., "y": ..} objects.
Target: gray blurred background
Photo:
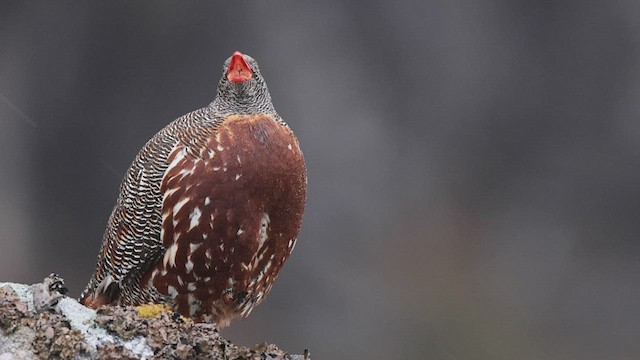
[{"x": 474, "y": 178}]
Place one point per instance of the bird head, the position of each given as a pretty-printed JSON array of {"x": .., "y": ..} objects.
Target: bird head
[{"x": 242, "y": 89}]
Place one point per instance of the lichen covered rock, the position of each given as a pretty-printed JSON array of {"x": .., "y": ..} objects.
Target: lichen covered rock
[
  {"x": 40, "y": 322},
  {"x": 12, "y": 309},
  {"x": 54, "y": 338}
]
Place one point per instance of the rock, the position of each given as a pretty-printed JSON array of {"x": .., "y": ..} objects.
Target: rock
[
  {"x": 41, "y": 322},
  {"x": 47, "y": 294},
  {"x": 12, "y": 309}
]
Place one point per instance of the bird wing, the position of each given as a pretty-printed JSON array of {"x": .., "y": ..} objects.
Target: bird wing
[{"x": 132, "y": 240}]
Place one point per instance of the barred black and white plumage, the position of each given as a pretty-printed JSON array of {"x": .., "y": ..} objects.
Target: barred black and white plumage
[{"x": 209, "y": 209}]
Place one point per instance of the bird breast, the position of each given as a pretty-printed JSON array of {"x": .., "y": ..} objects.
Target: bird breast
[{"x": 231, "y": 212}]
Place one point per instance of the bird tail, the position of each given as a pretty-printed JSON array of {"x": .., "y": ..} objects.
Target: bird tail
[{"x": 105, "y": 292}]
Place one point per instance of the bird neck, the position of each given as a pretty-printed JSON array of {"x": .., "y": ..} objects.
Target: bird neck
[{"x": 243, "y": 101}]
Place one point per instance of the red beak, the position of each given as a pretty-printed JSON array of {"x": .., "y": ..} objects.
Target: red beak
[{"x": 239, "y": 70}]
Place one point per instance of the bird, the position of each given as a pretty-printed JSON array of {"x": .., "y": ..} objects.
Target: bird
[{"x": 209, "y": 210}]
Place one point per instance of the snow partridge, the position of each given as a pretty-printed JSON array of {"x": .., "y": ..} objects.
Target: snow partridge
[{"x": 209, "y": 210}]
